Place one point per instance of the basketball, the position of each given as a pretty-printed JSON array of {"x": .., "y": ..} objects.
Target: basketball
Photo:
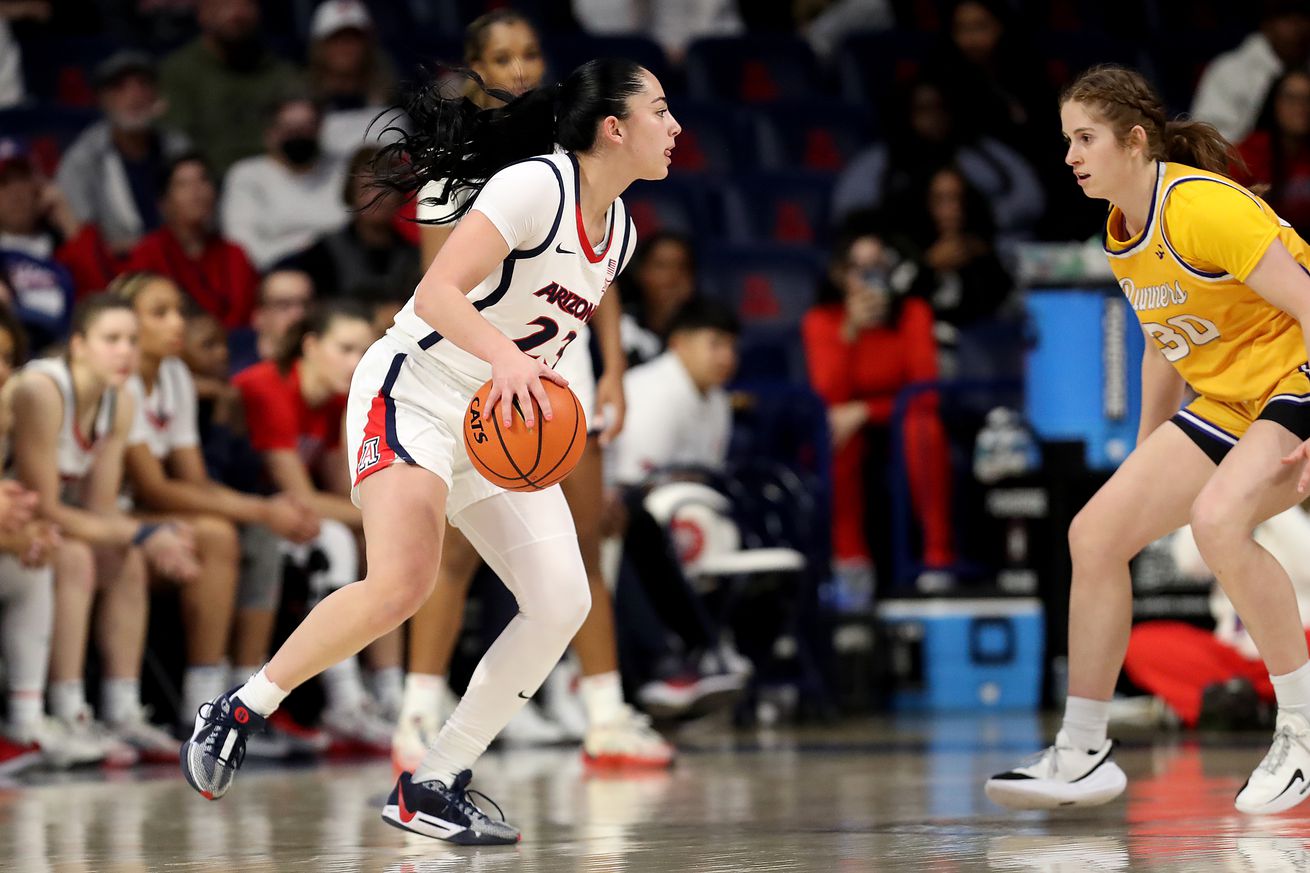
[{"x": 518, "y": 459}]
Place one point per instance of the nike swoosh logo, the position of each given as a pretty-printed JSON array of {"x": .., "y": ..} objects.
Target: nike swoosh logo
[
  {"x": 563, "y": 251},
  {"x": 529, "y": 697},
  {"x": 1295, "y": 776},
  {"x": 406, "y": 815}
]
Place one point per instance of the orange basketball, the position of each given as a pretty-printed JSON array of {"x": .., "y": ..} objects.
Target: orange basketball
[{"x": 519, "y": 459}]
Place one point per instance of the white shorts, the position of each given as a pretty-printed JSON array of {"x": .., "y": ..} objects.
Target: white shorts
[
  {"x": 405, "y": 406},
  {"x": 576, "y": 366}
]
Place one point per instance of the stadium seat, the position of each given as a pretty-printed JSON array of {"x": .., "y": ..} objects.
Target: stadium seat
[
  {"x": 751, "y": 69},
  {"x": 49, "y": 130},
  {"x": 768, "y": 287},
  {"x": 785, "y": 209},
  {"x": 715, "y": 139},
  {"x": 568, "y": 51},
  {"x": 817, "y": 135}
]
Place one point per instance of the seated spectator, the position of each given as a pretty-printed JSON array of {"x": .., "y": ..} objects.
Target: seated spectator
[
  {"x": 72, "y": 421},
  {"x": 1234, "y": 84},
  {"x": 220, "y": 87},
  {"x": 214, "y": 272},
  {"x": 1277, "y": 153},
  {"x": 661, "y": 280},
  {"x": 111, "y": 174},
  {"x": 276, "y": 204},
  {"x": 44, "y": 249},
  {"x": 922, "y": 135},
  {"x": 294, "y": 408},
  {"x": 166, "y": 472},
  {"x": 948, "y": 228},
  {"x": 349, "y": 74},
  {"x": 673, "y": 23},
  {"x": 284, "y": 299},
  {"x": 866, "y": 339},
  {"x": 367, "y": 260}
]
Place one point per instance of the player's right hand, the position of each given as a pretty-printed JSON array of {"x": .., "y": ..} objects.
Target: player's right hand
[
  {"x": 516, "y": 378},
  {"x": 171, "y": 551},
  {"x": 1301, "y": 455},
  {"x": 17, "y": 505},
  {"x": 291, "y": 518}
]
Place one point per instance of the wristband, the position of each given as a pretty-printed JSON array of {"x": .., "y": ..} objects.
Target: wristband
[{"x": 144, "y": 532}]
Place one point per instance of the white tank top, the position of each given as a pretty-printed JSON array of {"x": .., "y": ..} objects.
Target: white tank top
[
  {"x": 76, "y": 451},
  {"x": 546, "y": 291}
]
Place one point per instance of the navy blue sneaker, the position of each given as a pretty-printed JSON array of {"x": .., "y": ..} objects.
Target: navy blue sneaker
[
  {"x": 433, "y": 810},
  {"x": 211, "y": 758}
]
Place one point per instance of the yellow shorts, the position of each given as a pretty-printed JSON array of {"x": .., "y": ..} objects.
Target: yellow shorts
[{"x": 1217, "y": 425}]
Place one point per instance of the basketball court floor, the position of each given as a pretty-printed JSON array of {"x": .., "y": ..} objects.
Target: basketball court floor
[{"x": 867, "y": 796}]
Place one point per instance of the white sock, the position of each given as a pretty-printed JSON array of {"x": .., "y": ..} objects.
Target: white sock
[
  {"x": 240, "y": 675},
  {"x": 424, "y": 693},
  {"x": 25, "y": 710},
  {"x": 261, "y": 694},
  {"x": 1293, "y": 690},
  {"x": 1085, "y": 722},
  {"x": 67, "y": 698},
  {"x": 602, "y": 695},
  {"x": 389, "y": 688},
  {"x": 343, "y": 686},
  {"x": 120, "y": 700},
  {"x": 199, "y": 686}
]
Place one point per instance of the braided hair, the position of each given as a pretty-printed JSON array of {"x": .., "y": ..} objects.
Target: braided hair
[{"x": 1123, "y": 99}]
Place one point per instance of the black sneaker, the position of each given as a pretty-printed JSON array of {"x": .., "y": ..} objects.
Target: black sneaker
[
  {"x": 433, "y": 810},
  {"x": 211, "y": 758}
]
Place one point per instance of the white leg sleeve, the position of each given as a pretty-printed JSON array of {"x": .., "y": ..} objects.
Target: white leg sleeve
[{"x": 27, "y": 597}]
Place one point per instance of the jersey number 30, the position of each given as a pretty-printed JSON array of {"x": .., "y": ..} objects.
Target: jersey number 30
[{"x": 1192, "y": 330}]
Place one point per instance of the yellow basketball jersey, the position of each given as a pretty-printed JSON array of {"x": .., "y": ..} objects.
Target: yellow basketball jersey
[{"x": 1183, "y": 275}]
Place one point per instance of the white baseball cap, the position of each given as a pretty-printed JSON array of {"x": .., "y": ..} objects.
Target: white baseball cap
[{"x": 336, "y": 15}]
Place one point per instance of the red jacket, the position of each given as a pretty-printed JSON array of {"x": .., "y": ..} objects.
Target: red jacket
[{"x": 222, "y": 280}]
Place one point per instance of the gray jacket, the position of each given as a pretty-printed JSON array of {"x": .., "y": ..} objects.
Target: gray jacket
[{"x": 92, "y": 177}]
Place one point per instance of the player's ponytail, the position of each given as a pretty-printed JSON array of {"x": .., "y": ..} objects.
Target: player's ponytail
[
  {"x": 453, "y": 140},
  {"x": 1123, "y": 99}
]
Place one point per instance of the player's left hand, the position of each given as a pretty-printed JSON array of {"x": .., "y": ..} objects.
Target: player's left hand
[
  {"x": 610, "y": 405},
  {"x": 1301, "y": 455}
]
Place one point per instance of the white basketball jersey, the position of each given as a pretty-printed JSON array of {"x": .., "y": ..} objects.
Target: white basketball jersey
[
  {"x": 166, "y": 416},
  {"x": 547, "y": 289},
  {"x": 76, "y": 451}
]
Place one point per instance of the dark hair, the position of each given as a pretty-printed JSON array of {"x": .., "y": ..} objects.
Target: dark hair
[
  {"x": 89, "y": 309},
  {"x": 10, "y": 324},
  {"x": 702, "y": 313},
  {"x": 1267, "y": 121},
  {"x": 479, "y": 29},
  {"x": 317, "y": 321},
  {"x": 128, "y": 286},
  {"x": 1123, "y": 99},
  {"x": 290, "y": 98},
  {"x": 170, "y": 168},
  {"x": 647, "y": 245},
  {"x": 360, "y": 163},
  {"x": 452, "y": 139},
  {"x": 903, "y": 277}
]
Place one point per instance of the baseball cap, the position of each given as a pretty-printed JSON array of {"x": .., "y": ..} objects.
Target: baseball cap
[
  {"x": 14, "y": 152},
  {"x": 337, "y": 15},
  {"x": 121, "y": 63}
]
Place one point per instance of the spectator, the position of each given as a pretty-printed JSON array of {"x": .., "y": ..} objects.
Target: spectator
[
  {"x": 44, "y": 249},
  {"x": 671, "y": 23},
  {"x": 867, "y": 338},
  {"x": 284, "y": 300},
  {"x": 661, "y": 280},
  {"x": 72, "y": 418},
  {"x": 367, "y": 260},
  {"x": 949, "y": 228},
  {"x": 826, "y": 24},
  {"x": 1277, "y": 153},
  {"x": 349, "y": 74},
  {"x": 214, "y": 272},
  {"x": 12, "y": 91},
  {"x": 221, "y": 86},
  {"x": 294, "y": 406},
  {"x": 923, "y": 136},
  {"x": 1233, "y": 85},
  {"x": 275, "y": 204},
  {"x": 111, "y": 173}
]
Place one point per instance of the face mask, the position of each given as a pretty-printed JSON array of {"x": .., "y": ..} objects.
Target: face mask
[
  {"x": 300, "y": 151},
  {"x": 244, "y": 52}
]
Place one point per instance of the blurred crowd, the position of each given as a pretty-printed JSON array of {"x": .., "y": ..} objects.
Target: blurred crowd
[{"x": 187, "y": 219}]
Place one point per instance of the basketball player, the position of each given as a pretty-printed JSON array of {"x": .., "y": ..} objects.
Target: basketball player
[
  {"x": 1219, "y": 283},
  {"x": 503, "y": 48},
  {"x": 71, "y": 421},
  {"x": 537, "y": 222}
]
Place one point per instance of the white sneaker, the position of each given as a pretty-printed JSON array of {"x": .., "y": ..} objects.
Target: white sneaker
[
  {"x": 153, "y": 744},
  {"x": 358, "y": 729},
  {"x": 563, "y": 704},
  {"x": 60, "y": 748},
  {"x": 87, "y": 730},
  {"x": 628, "y": 741},
  {"x": 531, "y": 728},
  {"x": 1282, "y": 779},
  {"x": 1058, "y": 776}
]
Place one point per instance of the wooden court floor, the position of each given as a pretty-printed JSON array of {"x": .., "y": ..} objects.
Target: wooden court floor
[{"x": 867, "y": 796}]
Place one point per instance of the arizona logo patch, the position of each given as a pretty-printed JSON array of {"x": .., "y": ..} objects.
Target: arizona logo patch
[{"x": 368, "y": 454}]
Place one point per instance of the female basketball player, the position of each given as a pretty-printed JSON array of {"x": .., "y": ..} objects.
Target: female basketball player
[
  {"x": 1220, "y": 286},
  {"x": 166, "y": 470},
  {"x": 538, "y": 223},
  {"x": 502, "y": 47},
  {"x": 70, "y": 428}
]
